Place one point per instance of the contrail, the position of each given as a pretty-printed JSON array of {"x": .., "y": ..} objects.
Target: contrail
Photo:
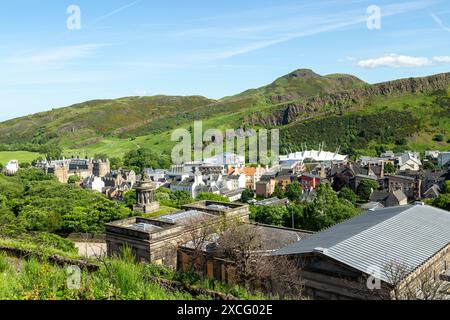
[
  {"x": 116, "y": 11},
  {"x": 439, "y": 22}
]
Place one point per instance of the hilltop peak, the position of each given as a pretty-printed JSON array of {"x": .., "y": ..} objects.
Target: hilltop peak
[{"x": 303, "y": 73}]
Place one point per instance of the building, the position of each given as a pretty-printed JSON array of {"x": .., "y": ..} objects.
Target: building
[
  {"x": 399, "y": 247},
  {"x": 411, "y": 186},
  {"x": 432, "y": 193},
  {"x": 272, "y": 202},
  {"x": 93, "y": 183},
  {"x": 100, "y": 168},
  {"x": 389, "y": 199},
  {"x": 63, "y": 169},
  {"x": 233, "y": 196},
  {"x": 409, "y": 162},
  {"x": 294, "y": 167},
  {"x": 117, "y": 178},
  {"x": 314, "y": 156},
  {"x": 444, "y": 160},
  {"x": 11, "y": 167},
  {"x": 157, "y": 240},
  {"x": 309, "y": 181},
  {"x": 215, "y": 266},
  {"x": 191, "y": 185},
  {"x": 266, "y": 186},
  {"x": 226, "y": 159}
]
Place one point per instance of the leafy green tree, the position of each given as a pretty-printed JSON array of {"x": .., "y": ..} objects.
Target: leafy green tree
[
  {"x": 294, "y": 217},
  {"x": 146, "y": 158},
  {"x": 73, "y": 179},
  {"x": 116, "y": 163},
  {"x": 247, "y": 195},
  {"x": 278, "y": 193},
  {"x": 294, "y": 191},
  {"x": 25, "y": 165},
  {"x": 428, "y": 165},
  {"x": 129, "y": 199},
  {"x": 446, "y": 187},
  {"x": 366, "y": 188},
  {"x": 348, "y": 194},
  {"x": 389, "y": 168},
  {"x": 443, "y": 201},
  {"x": 271, "y": 215},
  {"x": 438, "y": 138},
  {"x": 181, "y": 198},
  {"x": 28, "y": 175},
  {"x": 326, "y": 210},
  {"x": 211, "y": 197}
]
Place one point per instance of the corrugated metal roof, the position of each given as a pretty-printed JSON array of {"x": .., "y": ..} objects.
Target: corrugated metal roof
[{"x": 409, "y": 235}]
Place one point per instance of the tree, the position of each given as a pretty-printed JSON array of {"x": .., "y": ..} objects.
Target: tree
[
  {"x": 243, "y": 245},
  {"x": 180, "y": 198},
  {"x": 326, "y": 210},
  {"x": 294, "y": 191},
  {"x": 443, "y": 201},
  {"x": 366, "y": 188},
  {"x": 389, "y": 168},
  {"x": 247, "y": 195},
  {"x": 271, "y": 215},
  {"x": 348, "y": 194},
  {"x": 25, "y": 165},
  {"x": 438, "y": 138},
  {"x": 73, "y": 179},
  {"x": 211, "y": 197},
  {"x": 278, "y": 192},
  {"x": 116, "y": 163},
  {"x": 146, "y": 158},
  {"x": 129, "y": 199},
  {"x": 428, "y": 165},
  {"x": 446, "y": 188}
]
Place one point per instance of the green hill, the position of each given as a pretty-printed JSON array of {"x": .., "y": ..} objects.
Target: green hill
[{"x": 306, "y": 107}]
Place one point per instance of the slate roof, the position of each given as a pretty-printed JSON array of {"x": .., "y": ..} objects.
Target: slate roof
[{"x": 410, "y": 235}]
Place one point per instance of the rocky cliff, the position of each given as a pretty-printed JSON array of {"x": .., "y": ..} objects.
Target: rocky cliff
[{"x": 288, "y": 112}]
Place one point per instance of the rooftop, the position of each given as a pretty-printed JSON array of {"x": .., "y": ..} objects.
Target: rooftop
[{"x": 410, "y": 234}]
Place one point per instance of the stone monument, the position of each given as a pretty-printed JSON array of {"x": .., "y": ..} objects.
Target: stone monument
[{"x": 145, "y": 195}]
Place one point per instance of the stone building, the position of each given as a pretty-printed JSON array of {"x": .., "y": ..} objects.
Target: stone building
[
  {"x": 411, "y": 186},
  {"x": 157, "y": 240},
  {"x": 402, "y": 248},
  {"x": 101, "y": 168}
]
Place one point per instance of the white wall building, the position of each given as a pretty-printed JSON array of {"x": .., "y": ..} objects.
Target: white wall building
[
  {"x": 315, "y": 156},
  {"x": 94, "y": 183},
  {"x": 12, "y": 167}
]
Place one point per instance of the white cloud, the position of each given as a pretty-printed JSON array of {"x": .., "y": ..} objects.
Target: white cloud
[
  {"x": 444, "y": 59},
  {"x": 58, "y": 54},
  {"x": 395, "y": 61}
]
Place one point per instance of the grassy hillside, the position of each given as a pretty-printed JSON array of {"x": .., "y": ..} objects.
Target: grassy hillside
[
  {"x": 21, "y": 156},
  {"x": 305, "y": 105}
]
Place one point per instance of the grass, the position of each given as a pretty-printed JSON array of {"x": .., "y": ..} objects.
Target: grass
[
  {"x": 21, "y": 156},
  {"x": 163, "y": 211}
]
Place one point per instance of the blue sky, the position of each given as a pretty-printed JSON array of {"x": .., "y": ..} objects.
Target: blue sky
[{"x": 210, "y": 48}]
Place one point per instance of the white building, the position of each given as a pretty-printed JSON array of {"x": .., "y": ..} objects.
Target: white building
[
  {"x": 12, "y": 167},
  {"x": 315, "y": 156},
  {"x": 234, "y": 182},
  {"x": 226, "y": 159},
  {"x": 409, "y": 161},
  {"x": 190, "y": 185},
  {"x": 94, "y": 183}
]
